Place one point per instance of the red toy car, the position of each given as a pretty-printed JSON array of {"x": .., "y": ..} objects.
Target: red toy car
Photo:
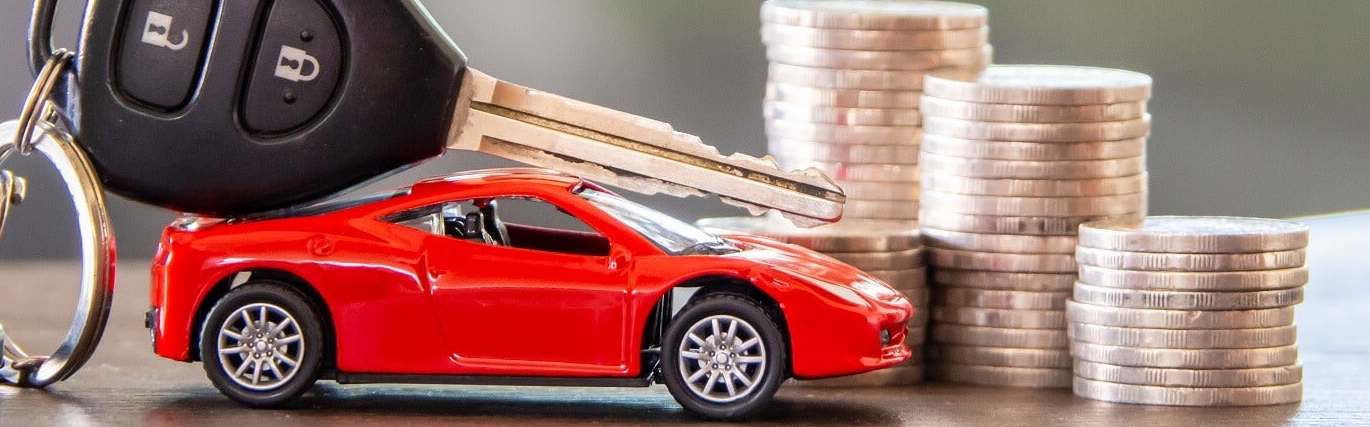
[{"x": 450, "y": 282}]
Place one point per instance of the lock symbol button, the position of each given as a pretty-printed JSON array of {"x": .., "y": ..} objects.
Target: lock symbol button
[
  {"x": 160, "y": 49},
  {"x": 157, "y": 32},
  {"x": 296, "y": 65}
]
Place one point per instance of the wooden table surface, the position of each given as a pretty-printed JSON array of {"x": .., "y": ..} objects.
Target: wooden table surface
[{"x": 126, "y": 385}]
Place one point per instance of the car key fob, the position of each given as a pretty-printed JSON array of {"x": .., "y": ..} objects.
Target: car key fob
[
  {"x": 225, "y": 107},
  {"x": 229, "y": 108}
]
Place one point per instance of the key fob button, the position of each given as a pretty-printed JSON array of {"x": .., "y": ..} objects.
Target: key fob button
[
  {"x": 160, "y": 51},
  {"x": 298, "y": 61}
]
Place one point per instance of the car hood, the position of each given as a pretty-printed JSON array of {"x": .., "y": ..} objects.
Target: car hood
[{"x": 810, "y": 267}]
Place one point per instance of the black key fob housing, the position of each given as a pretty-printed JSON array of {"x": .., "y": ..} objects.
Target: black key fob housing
[{"x": 232, "y": 107}]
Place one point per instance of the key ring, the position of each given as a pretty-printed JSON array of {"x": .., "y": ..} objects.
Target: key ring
[
  {"x": 12, "y": 191},
  {"x": 97, "y": 261},
  {"x": 40, "y": 94}
]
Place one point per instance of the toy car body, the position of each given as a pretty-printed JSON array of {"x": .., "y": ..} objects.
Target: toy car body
[{"x": 430, "y": 285}]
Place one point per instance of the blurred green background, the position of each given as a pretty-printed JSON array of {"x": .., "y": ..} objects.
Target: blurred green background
[{"x": 1259, "y": 108}]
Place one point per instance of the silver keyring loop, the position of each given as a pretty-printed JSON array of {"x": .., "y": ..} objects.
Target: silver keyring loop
[
  {"x": 97, "y": 264},
  {"x": 38, "y": 98}
]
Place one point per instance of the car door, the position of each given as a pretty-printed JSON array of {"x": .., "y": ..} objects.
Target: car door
[{"x": 548, "y": 304}]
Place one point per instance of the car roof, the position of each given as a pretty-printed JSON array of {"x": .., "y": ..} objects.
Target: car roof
[
  {"x": 436, "y": 185},
  {"x": 526, "y": 176}
]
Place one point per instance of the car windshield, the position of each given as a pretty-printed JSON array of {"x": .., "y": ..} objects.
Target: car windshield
[{"x": 674, "y": 236}]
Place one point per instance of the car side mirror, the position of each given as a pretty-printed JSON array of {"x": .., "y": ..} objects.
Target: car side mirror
[{"x": 619, "y": 258}]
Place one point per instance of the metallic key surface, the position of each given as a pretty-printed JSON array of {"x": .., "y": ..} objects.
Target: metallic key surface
[{"x": 628, "y": 151}]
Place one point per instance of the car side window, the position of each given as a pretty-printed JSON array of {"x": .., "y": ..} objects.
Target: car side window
[
  {"x": 519, "y": 222},
  {"x": 425, "y": 219}
]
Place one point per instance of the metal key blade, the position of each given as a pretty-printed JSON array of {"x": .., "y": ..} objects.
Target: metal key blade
[{"x": 628, "y": 151}]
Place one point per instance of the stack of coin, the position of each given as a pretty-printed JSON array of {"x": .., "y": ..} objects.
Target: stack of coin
[
  {"x": 1188, "y": 311},
  {"x": 844, "y": 82},
  {"x": 890, "y": 251},
  {"x": 1013, "y": 160}
]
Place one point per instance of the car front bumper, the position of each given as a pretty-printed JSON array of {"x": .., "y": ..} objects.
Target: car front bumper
[{"x": 832, "y": 343}]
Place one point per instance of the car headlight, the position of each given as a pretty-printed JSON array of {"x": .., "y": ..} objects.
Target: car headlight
[
  {"x": 842, "y": 292},
  {"x": 875, "y": 290}
]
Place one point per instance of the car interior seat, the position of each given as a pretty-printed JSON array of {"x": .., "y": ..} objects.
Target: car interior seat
[{"x": 492, "y": 224}]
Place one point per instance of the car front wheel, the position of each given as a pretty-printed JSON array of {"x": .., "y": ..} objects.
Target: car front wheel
[
  {"x": 725, "y": 356},
  {"x": 261, "y": 344}
]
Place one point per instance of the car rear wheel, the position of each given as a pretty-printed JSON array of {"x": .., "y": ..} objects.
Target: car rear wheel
[
  {"x": 261, "y": 344},
  {"x": 724, "y": 356}
]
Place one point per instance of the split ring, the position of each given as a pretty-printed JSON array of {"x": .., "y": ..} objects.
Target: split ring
[{"x": 97, "y": 263}]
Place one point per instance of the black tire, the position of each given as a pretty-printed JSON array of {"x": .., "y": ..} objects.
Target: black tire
[
  {"x": 765, "y": 326},
  {"x": 309, "y": 355}
]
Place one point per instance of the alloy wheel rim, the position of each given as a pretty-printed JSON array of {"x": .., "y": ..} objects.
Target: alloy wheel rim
[
  {"x": 722, "y": 358},
  {"x": 260, "y": 346}
]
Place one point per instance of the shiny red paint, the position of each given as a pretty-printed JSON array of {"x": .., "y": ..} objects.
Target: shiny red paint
[{"x": 402, "y": 301}]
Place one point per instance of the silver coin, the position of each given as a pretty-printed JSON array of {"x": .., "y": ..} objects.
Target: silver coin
[
  {"x": 921, "y": 316},
  {"x": 879, "y": 190},
  {"x": 1033, "y": 151},
  {"x": 1012, "y": 113},
  {"x": 777, "y": 34},
  {"x": 900, "y": 260},
  {"x": 1179, "y": 234},
  {"x": 916, "y": 336},
  {"x": 817, "y": 151},
  {"x": 875, "y": 15},
  {"x": 913, "y": 278},
  {"x": 836, "y": 134},
  {"x": 982, "y": 336},
  {"x": 1034, "y": 187},
  {"x": 1000, "y": 318},
  {"x": 831, "y": 78},
  {"x": 1205, "y": 378},
  {"x": 1039, "y": 132},
  {"x": 1033, "y": 206},
  {"x": 1008, "y": 243},
  {"x": 914, "y": 60},
  {"x": 868, "y": 172},
  {"x": 844, "y": 135},
  {"x": 1181, "y": 300},
  {"x": 916, "y": 296},
  {"x": 841, "y": 115},
  {"x": 895, "y": 376},
  {"x": 937, "y": 164},
  {"x": 1219, "y": 281},
  {"x": 1222, "y": 358},
  {"x": 1035, "y": 282},
  {"x": 1033, "y": 225},
  {"x": 848, "y": 235},
  {"x": 1002, "y": 376},
  {"x": 1018, "y": 300},
  {"x": 1184, "y": 338},
  {"x": 899, "y": 210},
  {"x": 1177, "y": 396},
  {"x": 1000, "y": 356},
  {"x": 990, "y": 261},
  {"x": 1044, "y": 85},
  {"x": 1179, "y": 319},
  {"x": 1152, "y": 261},
  {"x": 917, "y": 329},
  {"x": 853, "y": 98}
]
